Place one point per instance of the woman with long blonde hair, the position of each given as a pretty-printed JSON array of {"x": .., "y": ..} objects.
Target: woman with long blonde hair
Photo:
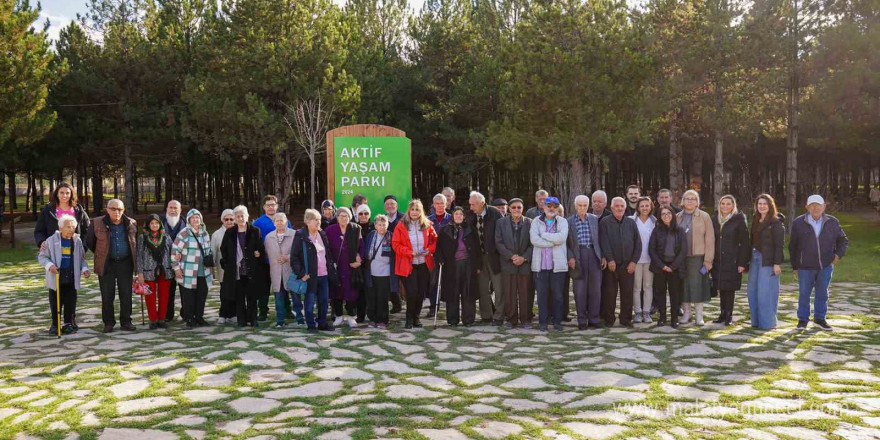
[{"x": 414, "y": 241}]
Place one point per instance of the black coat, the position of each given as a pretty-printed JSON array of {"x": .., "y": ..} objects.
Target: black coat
[
  {"x": 732, "y": 248},
  {"x": 298, "y": 265},
  {"x": 47, "y": 223},
  {"x": 256, "y": 268},
  {"x": 657, "y": 246},
  {"x": 447, "y": 245},
  {"x": 772, "y": 240},
  {"x": 488, "y": 246}
]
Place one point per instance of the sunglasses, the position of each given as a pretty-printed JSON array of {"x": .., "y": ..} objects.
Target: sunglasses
[
  {"x": 364, "y": 214},
  {"x": 515, "y": 207},
  {"x": 228, "y": 219},
  {"x": 116, "y": 209},
  {"x": 552, "y": 205}
]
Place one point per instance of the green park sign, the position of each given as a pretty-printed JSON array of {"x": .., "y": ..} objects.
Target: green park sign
[{"x": 374, "y": 166}]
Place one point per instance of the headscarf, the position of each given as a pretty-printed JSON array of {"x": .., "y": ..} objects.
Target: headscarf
[{"x": 155, "y": 241}]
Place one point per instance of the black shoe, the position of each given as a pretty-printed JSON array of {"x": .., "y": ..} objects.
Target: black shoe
[
  {"x": 242, "y": 324},
  {"x": 802, "y": 324},
  {"x": 312, "y": 330},
  {"x": 153, "y": 325},
  {"x": 202, "y": 323},
  {"x": 162, "y": 324},
  {"x": 822, "y": 323},
  {"x": 653, "y": 310},
  {"x": 486, "y": 321},
  {"x": 129, "y": 327},
  {"x": 567, "y": 319},
  {"x": 73, "y": 324},
  {"x": 418, "y": 324},
  {"x": 255, "y": 324},
  {"x": 469, "y": 324},
  {"x": 67, "y": 329},
  {"x": 108, "y": 328},
  {"x": 53, "y": 330},
  {"x": 190, "y": 324},
  {"x": 263, "y": 318},
  {"x": 498, "y": 323},
  {"x": 582, "y": 326},
  {"x": 719, "y": 319},
  {"x": 326, "y": 328},
  {"x": 674, "y": 324},
  {"x": 431, "y": 313},
  {"x": 169, "y": 319},
  {"x": 661, "y": 323},
  {"x": 558, "y": 328},
  {"x": 542, "y": 328},
  {"x": 628, "y": 325},
  {"x": 594, "y": 326},
  {"x": 395, "y": 309},
  {"x": 408, "y": 325}
]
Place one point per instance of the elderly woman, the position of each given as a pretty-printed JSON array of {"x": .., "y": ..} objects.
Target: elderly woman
[
  {"x": 227, "y": 293},
  {"x": 328, "y": 214},
  {"x": 278, "y": 244},
  {"x": 345, "y": 249},
  {"x": 378, "y": 258},
  {"x": 190, "y": 248},
  {"x": 241, "y": 251},
  {"x": 414, "y": 241},
  {"x": 458, "y": 252},
  {"x": 63, "y": 202},
  {"x": 768, "y": 235},
  {"x": 697, "y": 225},
  {"x": 64, "y": 257},
  {"x": 154, "y": 268},
  {"x": 363, "y": 215},
  {"x": 312, "y": 263},
  {"x": 731, "y": 254}
]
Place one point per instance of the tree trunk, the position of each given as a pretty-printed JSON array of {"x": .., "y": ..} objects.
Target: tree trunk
[
  {"x": 676, "y": 168},
  {"x": 718, "y": 176},
  {"x": 696, "y": 181},
  {"x": 97, "y": 189},
  {"x": 2, "y": 193},
  {"x": 129, "y": 201}
]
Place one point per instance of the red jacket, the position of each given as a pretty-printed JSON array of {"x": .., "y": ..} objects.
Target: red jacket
[{"x": 403, "y": 249}]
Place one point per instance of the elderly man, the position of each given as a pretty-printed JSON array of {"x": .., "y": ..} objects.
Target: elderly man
[
  {"x": 540, "y": 196},
  {"x": 394, "y": 217},
  {"x": 173, "y": 226},
  {"x": 600, "y": 203},
  {"x": 633, "y": 193},
  {"x": 438, "y": 218},
  {"x": 515, "y": 251},
  {"x": 449, "y": 193},
  {"x": 621, "y": 249},
  {"x": 113, "y": 239},
  {"x": 549, "y": 235},
  {"x": 501, "y": 205},
  {"x": 483, "y": 219},
  {"x": 817, "y": 244},
  {"x": 586, "y": 256}
]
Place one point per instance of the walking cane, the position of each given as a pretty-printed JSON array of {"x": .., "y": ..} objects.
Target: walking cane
[
  {"x": 58, "y": 299},
  {"x": 142, "y": 310},
  {"x": 437, "y": 303}
]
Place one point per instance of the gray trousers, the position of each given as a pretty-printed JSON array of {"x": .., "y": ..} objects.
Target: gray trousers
[
  {"x": 588, "y": 289},
  {"x": 488, "y": 309}
]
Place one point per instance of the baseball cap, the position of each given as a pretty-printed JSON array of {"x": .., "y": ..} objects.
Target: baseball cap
[
  {"x": 815, "y": 198},
  {"x": 551, "y": 200}
]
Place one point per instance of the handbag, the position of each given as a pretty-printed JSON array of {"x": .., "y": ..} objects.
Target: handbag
[
  {"x": 142, "y": 289},
  {"x": 207, "y": 260},
  {"x": 294, "y": 283}
]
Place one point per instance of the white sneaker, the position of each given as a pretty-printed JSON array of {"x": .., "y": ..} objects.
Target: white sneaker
[
  {"x": 638, "y": 318},
  {"x": 221, "y": 321},
  {"x": 337, "y": 322},
  {"x": 686, "y": 317},
  {"x": 700, "y": 322},
  {"x": 648, "y": 318},
  {"x": 352, "y": 323}
]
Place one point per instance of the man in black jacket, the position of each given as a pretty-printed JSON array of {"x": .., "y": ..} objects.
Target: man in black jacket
[
  {"x": 173, "y": 225},
  {"x": 817, "y": 244},
  {"x": 483, "y": 219},
  {"x": 621, "y": 249}
]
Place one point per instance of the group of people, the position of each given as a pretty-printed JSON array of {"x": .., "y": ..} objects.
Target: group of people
[{"x": 501, "y": 256}]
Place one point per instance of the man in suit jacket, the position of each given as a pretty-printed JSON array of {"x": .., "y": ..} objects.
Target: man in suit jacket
[
  {"x": 514, "y": 247},
  {"x": 585, "y": 255},
  {"x": 483, "y": 219},
  {"x": 173, "y": 225}
]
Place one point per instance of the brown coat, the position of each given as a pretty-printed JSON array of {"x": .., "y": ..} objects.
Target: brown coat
[
  {"x": 703, "y": 235},
  {"x": 98, "y": 240}
]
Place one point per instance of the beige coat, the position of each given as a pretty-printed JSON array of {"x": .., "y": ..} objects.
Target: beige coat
[
  {"x": 278, "y": 272},
  {"x": 703, "y": 235}
]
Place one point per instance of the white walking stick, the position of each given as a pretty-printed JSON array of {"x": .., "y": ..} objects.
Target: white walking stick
[{"x": 437, "y": 303}]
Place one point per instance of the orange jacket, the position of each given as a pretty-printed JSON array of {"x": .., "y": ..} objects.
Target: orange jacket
[{"x": 404, "y": 252}]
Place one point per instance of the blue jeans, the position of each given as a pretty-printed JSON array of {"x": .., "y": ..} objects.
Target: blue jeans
[
  {"x": 281, "y": 301},
  {"x": 763, "y": 293},
  {"x": 549, "y": 283},
  {"x": 807, "y": 281},
  {"x": 322, "y": 296}
]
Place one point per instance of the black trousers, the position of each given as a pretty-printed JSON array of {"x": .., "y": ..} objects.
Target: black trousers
[
  {"x": 68, "y": 304},
  {"x": 727, "y": 302},
  {"x": 193, "y": 300},
  {"x": 362, "y": 304},
  {"x": 612, "y": 282},
  {"x": 117, "y": 276},
  {"x": 673, "y": 284},
  {"x": 377, "y": 300},
  {"x": 416, "y": 289},
  {"x": 246, "y": 301},
  {"x": 227, "y": 306},
  {"x": 464, "y": 295},
  {"x": 169, "y": 311},
  {"x": 342, "y": 307}
]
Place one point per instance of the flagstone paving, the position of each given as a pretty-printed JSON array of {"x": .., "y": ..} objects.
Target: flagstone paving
[{"x": 437, "y": 383}]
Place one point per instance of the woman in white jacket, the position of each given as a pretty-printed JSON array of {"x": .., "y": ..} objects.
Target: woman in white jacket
[
  {"x": 549, "y": 234},
  {"x": 278, "y": 244},
  {"x": 63, "y": 256},
  {"x": 227, "y": 302}
]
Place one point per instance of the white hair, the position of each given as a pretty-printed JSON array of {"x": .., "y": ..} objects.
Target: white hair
[
  {"x": 381, "y": 218},
  {"x": 618, "y": 199},
  {"x": 65, "y": 219},
  {"x": 242, "y": 209},
  {"x": 600, "y": 193},
  {"x": 448, "y": 190},
  {"x": 478, "y": 195},
  {"x": 226, "y": 212},
  {"x": 364, "y": 207},
  {"x": 440, "y": 197},
  {"x": 279, "y": 215},
  {"x": 540, "y": 193},
  {"x": 581, "y": 198},
  {"x": 121, "y": 203},
  {"x": 173, "y": 201}
]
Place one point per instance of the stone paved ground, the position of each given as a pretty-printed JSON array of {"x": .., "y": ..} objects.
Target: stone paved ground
[{"x": 437, "y": 383}]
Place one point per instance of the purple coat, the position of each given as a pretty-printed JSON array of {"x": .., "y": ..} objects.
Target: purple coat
[{"x": 340, "y": 254}]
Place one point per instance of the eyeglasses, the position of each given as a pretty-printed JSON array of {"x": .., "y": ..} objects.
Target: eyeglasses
[
  {"x": 228, "y": 219},
  {"x": 689, "y": 199},
  {"x": 364, "y": 214},
  {"x": 552, "y": 206},
  {"x": 666, "y": 214},
  {"x": 515, "y": 207},
  {"x": 116, "y": 209},
  {"x": 270, "y": 204}
]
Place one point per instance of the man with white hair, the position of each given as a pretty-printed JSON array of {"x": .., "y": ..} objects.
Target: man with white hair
[
  {"x": 113, "y": 239},
  {"x": 438, "y": 218},
  {"x": 535, "y": 211},
  {"x": 621, "y": 249},
  {"x": 586, "y": 257},
  {"x": 173, "y": 226},
  {"x": 600, "y": 201},
  {"x": 449, "y": 193},
  {"x": 483, "y": 219}
]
